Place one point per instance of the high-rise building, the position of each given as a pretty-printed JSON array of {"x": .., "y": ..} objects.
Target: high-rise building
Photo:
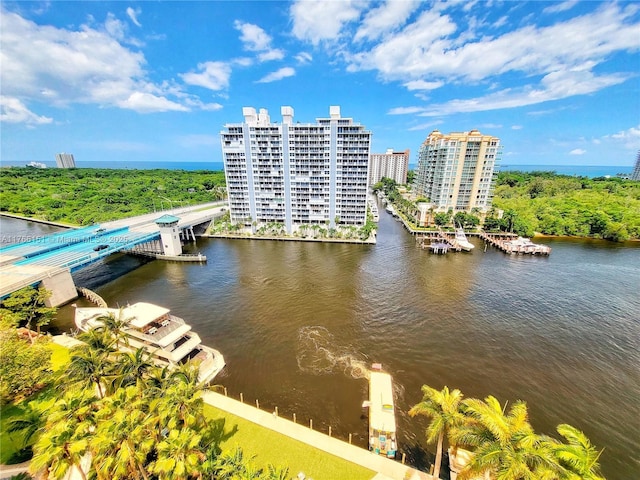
[
  {"x": 457, "y": 170},
  {"x": 635, "y": 175},
  {"x": 296, "y": 173},
  {"x": 65, "y": 160},
  {"x": 393, "y": 165}
]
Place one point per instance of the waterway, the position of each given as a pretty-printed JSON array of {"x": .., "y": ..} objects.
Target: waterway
[{"x": 297, "y": 323}]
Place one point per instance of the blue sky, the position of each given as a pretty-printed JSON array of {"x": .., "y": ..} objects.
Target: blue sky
[{"x": 557, "y": 82}]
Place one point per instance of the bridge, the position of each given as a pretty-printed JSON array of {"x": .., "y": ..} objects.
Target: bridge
[{"x": 51, "y": 259}]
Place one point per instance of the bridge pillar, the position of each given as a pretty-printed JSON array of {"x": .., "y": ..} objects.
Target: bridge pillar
[{"x": 62, "y": 288}]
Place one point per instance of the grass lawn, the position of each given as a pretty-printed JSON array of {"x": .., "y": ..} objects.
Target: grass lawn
[{"x": 270, "y": 447}]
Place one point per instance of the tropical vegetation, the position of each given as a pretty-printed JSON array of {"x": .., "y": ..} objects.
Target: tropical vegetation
[
  {"x": 25, "y": 364},
  {"x": 502, "y": 442},
  {"x": 83, "y": 196}
]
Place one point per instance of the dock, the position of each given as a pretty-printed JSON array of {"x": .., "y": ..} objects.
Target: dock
[
  {"x": 514, "y": 245},
  {"x": 438, "y": 242}
]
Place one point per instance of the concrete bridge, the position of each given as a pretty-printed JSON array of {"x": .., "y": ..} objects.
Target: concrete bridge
[{"x": 51, "y": 259}]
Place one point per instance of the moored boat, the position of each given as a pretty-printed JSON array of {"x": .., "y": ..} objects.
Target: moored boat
[
  {"x": 168, "y": 339},
  {"x": 462, "y": 241},
  {"x": 382, "y": 419}
]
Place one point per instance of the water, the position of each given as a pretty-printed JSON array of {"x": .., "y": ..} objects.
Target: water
[
  {"x": 574, "y": 170},
  {"x": 298, "y": 322}
]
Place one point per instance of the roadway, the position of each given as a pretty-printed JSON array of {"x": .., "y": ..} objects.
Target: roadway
[{"x": 29, "y": 262}]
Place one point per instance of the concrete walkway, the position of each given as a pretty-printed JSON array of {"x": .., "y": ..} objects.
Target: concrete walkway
[
  {"x": 8, "y": 471},
  {"x": 386, "y": 469}
]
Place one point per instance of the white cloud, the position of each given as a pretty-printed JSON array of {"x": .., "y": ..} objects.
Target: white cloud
[
  {"x": 554, "y": 86},
  {"x": 255, "y": 39},
  {"x": 516, "y": 127},
  {"x": 385, "y": 18},
  {"x": 133, "y": 15},
  {"x": 629, "y": 138},
  {"x": 213, "y": 75},
  {"x": 278, "y": 75},
  {"x": 425, "y": 126},
  {"x": 322, "y": 20},
  {"x": 274, "y": 54},
  {"x": 12, "y": 110},
  {"x": 148, "y": 103},
  {"x": 560, "y": 7},
  {"x": 577, "y": 151},
  {"x": 58, "y": 67},
  {"x": 422, "y": 85},
  {"x": 432, "y": 49},
  {"x": 303, "y": 57},
  {"x": 405, "y": 110}
]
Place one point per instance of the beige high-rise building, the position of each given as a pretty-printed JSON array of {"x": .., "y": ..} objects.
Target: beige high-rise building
[
  {"x": 456, "y": 170},
  {"x": 393, "y": 165}
]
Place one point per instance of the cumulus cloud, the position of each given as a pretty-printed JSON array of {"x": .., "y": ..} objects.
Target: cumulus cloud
[
  {"x": 629, "y": 138},
  {"x": 386, "y": 17},
  {"x": 12, "y": 110},
  {"x": 212, "y": 75},
  {"x": 322, "y": 20},
  {"x": 577, "y": 151},
  {"x": 87, "y": 65},
  {"x": 278, "y": 75},
  {"x": 255, "y": 39}
]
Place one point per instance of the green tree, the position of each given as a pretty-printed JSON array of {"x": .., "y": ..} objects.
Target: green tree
[
  {"x": 88, "y": 367},
  {"x": 28, "y": 422},
  {"x": 504, "y": 445},
  {"x": 441, "y": 219},
  {"x": 28, "y": 304},
  {"x": 443, "y": 407},
  {"x": 24, "y": 367}
]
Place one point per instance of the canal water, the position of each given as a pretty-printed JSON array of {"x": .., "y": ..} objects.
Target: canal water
[{"x": 299, "y": 322}]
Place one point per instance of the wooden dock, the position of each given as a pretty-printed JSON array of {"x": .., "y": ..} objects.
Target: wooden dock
[
  {"x": 438, "y": 242},
  {"x": 514, "y": 245}
]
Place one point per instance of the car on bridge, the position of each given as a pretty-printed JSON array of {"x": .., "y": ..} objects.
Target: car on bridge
[{"x": 100, "y": 247}]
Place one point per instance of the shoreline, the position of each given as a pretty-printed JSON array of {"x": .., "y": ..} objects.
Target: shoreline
[
  {"x": 291, "y": 239},
  {"x": 37, "y": 220}
]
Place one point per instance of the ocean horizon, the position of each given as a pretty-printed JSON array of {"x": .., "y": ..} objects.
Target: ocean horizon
[{"x": 590, "y": 171}]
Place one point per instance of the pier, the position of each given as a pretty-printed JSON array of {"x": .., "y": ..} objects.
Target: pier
[
  {"x": 513, "y": 244},
  {"x": 438, "y": 241}
]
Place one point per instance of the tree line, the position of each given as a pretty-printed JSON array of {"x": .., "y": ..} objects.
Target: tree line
[{"x": 83, "y": 196}]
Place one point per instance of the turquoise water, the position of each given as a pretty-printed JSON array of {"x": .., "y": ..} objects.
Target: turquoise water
[{"x": 580, "y": 170}]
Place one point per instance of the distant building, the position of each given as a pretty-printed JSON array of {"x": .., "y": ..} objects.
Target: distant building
[
  {"x": 392, "y": 165},
  {"x": 296, "y": 173},
  {"x": 457, "y": 170},
  {"x": 65, "y": 160},
  {"x": 635, "y": 175}
]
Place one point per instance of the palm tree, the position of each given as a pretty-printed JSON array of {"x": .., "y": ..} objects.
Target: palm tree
[
  {"x": 88, "y": 367},
  {"x": 444, "y": 409},
  {"x": 99, "y": 340},
  {"x": 505, "y": 446},
  {"x": 579, "y": 456},
  {"x": 29, "y": 422},
  {"x": 132, "y": 368},
  {"x": 180, "y": 455},
  {"x": 115, "y": 325}
]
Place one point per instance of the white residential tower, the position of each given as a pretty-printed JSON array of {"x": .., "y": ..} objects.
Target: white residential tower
[{"x": 296, "y": 173}]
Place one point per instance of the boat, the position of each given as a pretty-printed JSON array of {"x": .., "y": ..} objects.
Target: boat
[
  {"x": 462, "y": 241},
  {"x": 168, "y": 339},
  {"x": 382, "y": 419},
  {"x": 525, "y": 245}
]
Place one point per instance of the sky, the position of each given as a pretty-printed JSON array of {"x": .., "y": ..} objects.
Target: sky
[{"x": 557, "y": 82}]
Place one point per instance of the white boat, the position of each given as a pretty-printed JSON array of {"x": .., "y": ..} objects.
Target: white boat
[
  {"x": 382, "y": 419},
  {"x": 461, "y": 238},
  {"x": 167, "y": 338}
]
